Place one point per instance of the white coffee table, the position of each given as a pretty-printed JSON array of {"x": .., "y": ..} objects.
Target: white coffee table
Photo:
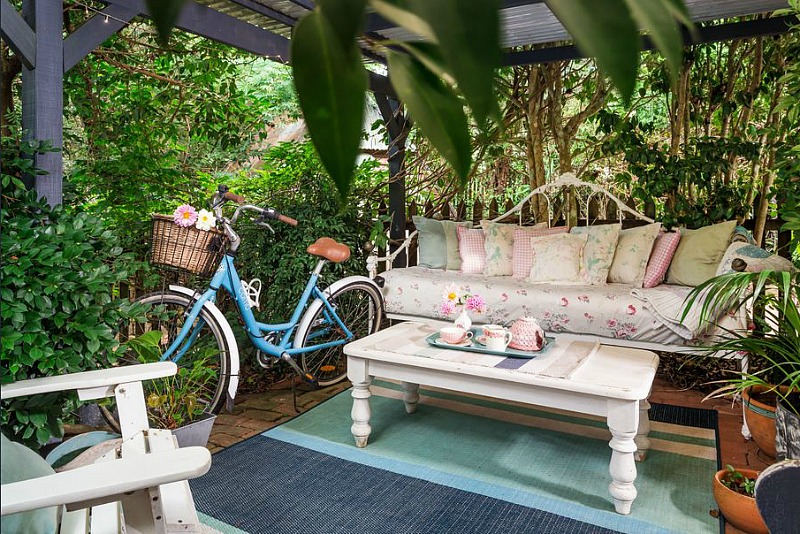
[{"x": 612, "y": 382}]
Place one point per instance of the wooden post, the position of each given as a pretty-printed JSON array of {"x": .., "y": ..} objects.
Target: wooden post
[
  {"x": 397, "y": 128},
  {"x": 42, "y": 93}
]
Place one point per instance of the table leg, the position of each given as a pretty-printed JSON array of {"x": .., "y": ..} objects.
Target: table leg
[
  {"x": 361, "y": 412},
  {"x": 623, "y": 423},
  {"x": 641, "y": 439},
  {"x": 410, "y": 396}
]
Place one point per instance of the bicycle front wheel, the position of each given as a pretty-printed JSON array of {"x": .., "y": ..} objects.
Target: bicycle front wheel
[
  {"x": 203, "y": 360},
  {"x": 359, "y": 306}
]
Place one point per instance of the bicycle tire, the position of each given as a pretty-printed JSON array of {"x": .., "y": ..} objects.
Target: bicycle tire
[
  {"x": 360, "y": 306},
  {"x": 210, "y": 349}
]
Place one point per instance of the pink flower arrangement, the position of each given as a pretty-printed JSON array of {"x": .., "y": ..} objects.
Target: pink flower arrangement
[
  {"x": 185, "y": 216},
  {"x": 453, "y": 297}
]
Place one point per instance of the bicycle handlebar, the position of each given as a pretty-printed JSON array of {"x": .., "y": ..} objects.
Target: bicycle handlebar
[
  {"x": 269, "y": 213},
  {"x": 235, "y": 198}
]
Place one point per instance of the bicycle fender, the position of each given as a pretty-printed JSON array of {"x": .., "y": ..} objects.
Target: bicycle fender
[
  {"x": 350, "y": 279},
  {"x": 312, "y": 309},
  {"x": 227, "y": 331}
]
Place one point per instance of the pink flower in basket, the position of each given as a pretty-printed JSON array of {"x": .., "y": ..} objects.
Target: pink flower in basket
[{"x": 185, "y": 216}]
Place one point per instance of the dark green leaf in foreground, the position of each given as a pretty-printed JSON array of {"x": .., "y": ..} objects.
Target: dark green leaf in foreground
[
  {"x": 656, "y": 18},
  {"x": 468, "y": 33},
  {"x": 344, "y": 16},
  {"x": 165, "y": 15},
  {"x": 331, "y": 83},
  {"x": 607, "y": 33},
  {"x": 435, "y": 108},
  {"x": 398, "y": 12}
]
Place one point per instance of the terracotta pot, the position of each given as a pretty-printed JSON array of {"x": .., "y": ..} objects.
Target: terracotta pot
[
  {"x": 739, "y": 510},
  {"x": 760, "y": 420}
]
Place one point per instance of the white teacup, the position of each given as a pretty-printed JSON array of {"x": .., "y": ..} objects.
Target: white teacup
[
  {"x": 488, "y": 327},
  {"x": 454, "y": 334},
  {"x": 497, "y": 338}
]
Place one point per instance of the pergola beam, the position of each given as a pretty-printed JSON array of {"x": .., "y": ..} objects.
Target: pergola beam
[
  {"x": 94, "y": 32},
  {"x": 212, "y": 24},
  {"x": 706, "y": 34},
  {"x": 376, "y": 23},
  {"x": 267, "y": 11},
  {"x": 17, "y": 34}
]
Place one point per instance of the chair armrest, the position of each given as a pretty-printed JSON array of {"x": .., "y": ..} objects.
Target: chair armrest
[
  {"x": 105, "y": 480},
  {"x": 103, "y": 378}
]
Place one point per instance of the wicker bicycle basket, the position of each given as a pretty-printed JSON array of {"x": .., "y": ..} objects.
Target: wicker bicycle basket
[{"x": 188, "y": 249}]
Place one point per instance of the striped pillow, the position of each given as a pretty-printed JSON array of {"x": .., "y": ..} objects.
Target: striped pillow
[
  {"x": 663, "y": 249},
  {"x": 472, "y": 251},
  {"x": 522, "y": 254}
]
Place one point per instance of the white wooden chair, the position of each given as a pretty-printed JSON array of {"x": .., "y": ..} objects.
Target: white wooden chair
[{"x": 138, "y": 486}]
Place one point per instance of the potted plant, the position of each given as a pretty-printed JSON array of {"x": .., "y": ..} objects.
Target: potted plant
[
  {"x": 773, "y": 349},
  {"x": 734, "y": 492},
  {"x": 172, "y": 402}
]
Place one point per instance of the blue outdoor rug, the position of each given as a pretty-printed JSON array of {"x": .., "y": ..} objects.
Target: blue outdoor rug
[{"x": 458, "y": 465}]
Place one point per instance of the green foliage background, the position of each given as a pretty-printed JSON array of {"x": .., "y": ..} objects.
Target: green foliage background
[
  {"x": 58, "y": 302},
  {"x": 294, "y": 182}
]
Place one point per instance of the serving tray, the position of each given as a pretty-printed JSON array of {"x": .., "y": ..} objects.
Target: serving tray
[{"x": 474, "y": 346}]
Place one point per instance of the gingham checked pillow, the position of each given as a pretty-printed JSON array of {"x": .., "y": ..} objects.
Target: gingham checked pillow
[
  {"x": 663, "y": 249},
  {"x": 522, "y": 254},
  {"x": 472, "y": 251}
]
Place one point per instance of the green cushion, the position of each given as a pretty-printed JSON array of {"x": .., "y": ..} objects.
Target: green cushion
[
  {"x": 432, "y": 248},
  {"x": 699, "y": 254},
  {"x": 451, "y": 237},
  {"x": 20, "y": 463}
]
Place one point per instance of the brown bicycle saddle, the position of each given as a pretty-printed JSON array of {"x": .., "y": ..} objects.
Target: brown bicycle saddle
[{"x": 328, "y": 248}]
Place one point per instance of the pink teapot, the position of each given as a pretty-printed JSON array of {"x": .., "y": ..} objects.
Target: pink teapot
[{"x": 527, "y": 334}]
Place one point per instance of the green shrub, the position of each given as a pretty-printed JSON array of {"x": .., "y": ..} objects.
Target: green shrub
[{"x": 59, "y": 306}]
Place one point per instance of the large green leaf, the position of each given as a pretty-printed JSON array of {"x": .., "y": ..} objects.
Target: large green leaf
[
  {"x": 331, "y": 83},
  {"x": 398, "y": 12},
  {"x": 656, "y": 17},
  {"x": 607, "y": 33},
  {"x": 344, "y": 16},
  {"x": 164, "y": 14},
  {"x": 677, "y": 9},
  {"x": 435, "y": 108},
  {"x": 468, "y": 34}
]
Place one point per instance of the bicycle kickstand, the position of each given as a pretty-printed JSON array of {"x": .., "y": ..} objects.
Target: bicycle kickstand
[{"x": 307, "y": 377}]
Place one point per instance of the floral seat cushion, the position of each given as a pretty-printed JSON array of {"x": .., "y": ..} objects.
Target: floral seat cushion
[{"x": 608, "y": 311}]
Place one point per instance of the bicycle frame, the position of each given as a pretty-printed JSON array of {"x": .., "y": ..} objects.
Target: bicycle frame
[{"x": 227, "y": 278}]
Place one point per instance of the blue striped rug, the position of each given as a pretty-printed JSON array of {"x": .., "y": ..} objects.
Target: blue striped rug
[{"x": 459, "y": 465}]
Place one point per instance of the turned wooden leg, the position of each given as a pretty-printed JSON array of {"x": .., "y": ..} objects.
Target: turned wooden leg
[
  {"x": 361, "y": 413},
  {"x": 641, "y": 439},
  {"x": 410, "y": 396},
  {"x": 623, "y": 423}
]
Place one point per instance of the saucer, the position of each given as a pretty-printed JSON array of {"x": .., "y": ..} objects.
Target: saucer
[{"x": 463, "y": 343}]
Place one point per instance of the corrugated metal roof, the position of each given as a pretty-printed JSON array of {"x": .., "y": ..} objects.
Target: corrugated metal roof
[{"x": 525, "y": 24}]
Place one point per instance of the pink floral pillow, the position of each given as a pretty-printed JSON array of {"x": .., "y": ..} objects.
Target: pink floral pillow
[
  {"x": 522, "y": 253},
  {"x": 472, "y": 251},
  {"x": 663, "y": 249}
]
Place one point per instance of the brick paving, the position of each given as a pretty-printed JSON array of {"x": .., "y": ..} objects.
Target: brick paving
[{"x": 255, "y": 413}]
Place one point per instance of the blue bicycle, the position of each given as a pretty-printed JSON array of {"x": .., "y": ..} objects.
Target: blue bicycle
[{"x": 196, "y": 335}]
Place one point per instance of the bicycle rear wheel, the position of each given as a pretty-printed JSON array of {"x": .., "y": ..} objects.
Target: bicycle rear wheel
[
  {"x": 359, "y": 306},
  {"x": 203, "y": 367}
]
